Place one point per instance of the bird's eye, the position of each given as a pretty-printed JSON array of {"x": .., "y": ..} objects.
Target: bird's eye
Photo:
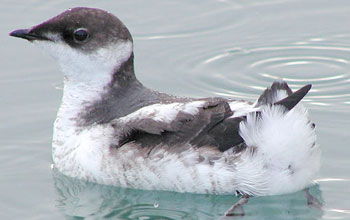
[{"x": 80, "y": 35}]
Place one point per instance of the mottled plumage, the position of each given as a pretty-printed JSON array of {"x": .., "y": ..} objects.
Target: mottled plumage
[{"x": 110, "y": 129}]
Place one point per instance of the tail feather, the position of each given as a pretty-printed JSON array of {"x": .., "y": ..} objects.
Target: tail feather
[
  {"x": 281, "y": 94},
  {"x": 271, "y": 95},
  {"x": 292, "y": 100}
]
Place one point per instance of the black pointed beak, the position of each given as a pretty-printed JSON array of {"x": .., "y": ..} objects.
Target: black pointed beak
[{"x": 27, "y": 34}]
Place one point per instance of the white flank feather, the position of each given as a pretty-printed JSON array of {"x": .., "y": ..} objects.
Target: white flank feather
[{"x": 285, "y": 147}]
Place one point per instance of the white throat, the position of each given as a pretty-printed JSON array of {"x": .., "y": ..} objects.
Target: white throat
[{"x": 86, "y": 75}]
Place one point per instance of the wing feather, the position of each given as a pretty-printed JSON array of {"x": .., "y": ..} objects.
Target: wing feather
[
  {"x": 205, "y": 122},
  {"x": 210, "y": 122}
]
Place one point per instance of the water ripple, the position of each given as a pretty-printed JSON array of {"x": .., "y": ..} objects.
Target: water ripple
[
  {"x": 147, "y": 212},
  {"x": 245, "y": 72}
]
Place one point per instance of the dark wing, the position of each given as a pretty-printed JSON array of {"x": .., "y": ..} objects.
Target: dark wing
[{"x": 212, "y": 125}]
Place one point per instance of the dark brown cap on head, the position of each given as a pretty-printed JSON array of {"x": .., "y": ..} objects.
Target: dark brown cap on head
[{"x": 83, "y": 28}]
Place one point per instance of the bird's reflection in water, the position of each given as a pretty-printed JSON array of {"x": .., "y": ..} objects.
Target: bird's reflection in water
[{"x": 82, "y": 200}]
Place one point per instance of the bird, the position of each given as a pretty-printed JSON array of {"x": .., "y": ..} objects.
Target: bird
[{"x": 111, "y": 129}]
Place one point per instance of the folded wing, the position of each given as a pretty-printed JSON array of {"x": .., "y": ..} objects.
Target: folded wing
[{"x": 208, "y": 122}]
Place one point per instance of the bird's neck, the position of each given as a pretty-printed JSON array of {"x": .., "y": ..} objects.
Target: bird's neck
[
  {"x": 88, "y": 75},
  {"x": 78, "y": 99},
  {"x": 83, "y": 87}
]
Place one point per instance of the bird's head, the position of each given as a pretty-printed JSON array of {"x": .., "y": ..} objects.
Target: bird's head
[{"x": 89, "y": 43}]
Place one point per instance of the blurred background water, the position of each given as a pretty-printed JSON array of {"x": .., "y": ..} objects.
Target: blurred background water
[{"x": 229, "y": 48}]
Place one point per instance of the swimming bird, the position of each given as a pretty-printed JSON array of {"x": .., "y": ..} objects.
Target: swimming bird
[{"x": 110, "y": 129}]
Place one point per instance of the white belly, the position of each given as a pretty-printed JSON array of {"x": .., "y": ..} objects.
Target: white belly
[{"x": 278, "y": 159}]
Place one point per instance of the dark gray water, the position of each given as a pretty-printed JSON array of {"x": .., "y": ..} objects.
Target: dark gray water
[{"x": 231, "y": 48}]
